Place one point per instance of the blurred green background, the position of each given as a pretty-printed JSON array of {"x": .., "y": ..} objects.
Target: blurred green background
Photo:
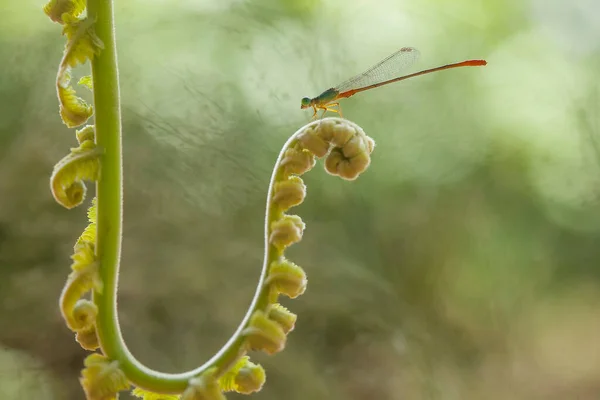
[{"x": 462, "y": 265}]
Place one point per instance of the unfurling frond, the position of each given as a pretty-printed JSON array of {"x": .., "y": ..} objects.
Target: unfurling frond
[
  {"x": 101, "y": 378},
  {"x": 79, "y": 283},
  {"x": 264, "y": 334},
  {"x": 66, "y": 182},
  {"x": 286, "y": 231},
  {"x": 82, "y": 45},
  {"x": 58, "y": 10},
  {"x": 244, "y": 377},
  {"x": 287, "y": 278}
]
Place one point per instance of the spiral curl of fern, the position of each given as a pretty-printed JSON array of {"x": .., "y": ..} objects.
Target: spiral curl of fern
[
  {"x": 81, "y": 164},
  {"x": 82, "y": 45}
]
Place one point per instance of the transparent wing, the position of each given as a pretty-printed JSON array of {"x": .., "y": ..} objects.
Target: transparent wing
[{"x": 387, "y": 69}]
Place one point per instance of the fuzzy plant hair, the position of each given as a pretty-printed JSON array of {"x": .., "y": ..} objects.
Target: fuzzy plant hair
[{"x": 88, "y": 301}]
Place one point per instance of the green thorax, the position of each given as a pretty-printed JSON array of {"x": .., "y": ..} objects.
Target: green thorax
[{"x": 326, "y": 97}]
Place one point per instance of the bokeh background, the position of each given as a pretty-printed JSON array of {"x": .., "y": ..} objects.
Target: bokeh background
[{"x": 464, "y": 264}]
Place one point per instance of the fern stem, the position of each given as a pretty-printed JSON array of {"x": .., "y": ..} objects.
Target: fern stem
[
  {"x": 109, "y": 187},
  {"x": 109, "y": 194}
]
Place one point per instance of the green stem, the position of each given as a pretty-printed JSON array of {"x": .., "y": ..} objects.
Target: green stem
[
  {"x": 109, "y": 193},
  {"x": 109, "y": 186}
]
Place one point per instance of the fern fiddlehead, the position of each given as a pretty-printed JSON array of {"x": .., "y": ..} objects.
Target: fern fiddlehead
[{"x": 95, "y": 265}]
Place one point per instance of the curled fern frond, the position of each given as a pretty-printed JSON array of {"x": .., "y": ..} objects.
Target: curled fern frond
[
  {"x": 74, "y": 111},
  {"x": 82, "y": 45},
  {"x": 287, "y": 278},
  {"x": 66, "y": 182},
  {"x": 349, "y": 161},
  {"x": 264, "y": 334},
  {"x": 58, "y": 10},
  {"x": 346, "y": 146},
  {"x": 244, "y": 377},
  {"x": 250, "y": 378},
  {"x": 204, "y": 387},
  {"x": 297, "y": 161},
  {"x": 80, "y": 314},
  {"x": 84, "y": 315},
  {"x": 79, "y": 283},
  {"x": 101, "y": 378},
  {"x": 347, "y": 150},
  {"x": 289, "y": 193},
  {"x": 286, "y": 231}
]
